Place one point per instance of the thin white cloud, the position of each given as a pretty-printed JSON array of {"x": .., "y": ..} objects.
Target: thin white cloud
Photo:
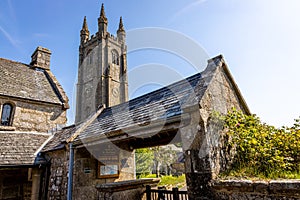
[
  {"x": 9, "y": 37},
  {"x": 187, "y": 8},
  {"x": 11, "y": 10},
  {"x": 10, "y": 17}
]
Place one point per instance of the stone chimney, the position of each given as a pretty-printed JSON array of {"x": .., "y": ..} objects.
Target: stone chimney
[{"x": 41, "y": 58}]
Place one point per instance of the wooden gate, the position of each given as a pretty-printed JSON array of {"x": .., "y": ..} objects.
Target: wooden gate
[{"x": 163, "y": 194}]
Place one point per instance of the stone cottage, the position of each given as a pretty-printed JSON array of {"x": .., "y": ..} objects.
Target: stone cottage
[
  {"x": 32, "y": 102},
  {"x": 94, "y": 158}
]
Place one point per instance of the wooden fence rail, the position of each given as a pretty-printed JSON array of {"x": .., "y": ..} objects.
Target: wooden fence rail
[{"x": 162, "y": 194}]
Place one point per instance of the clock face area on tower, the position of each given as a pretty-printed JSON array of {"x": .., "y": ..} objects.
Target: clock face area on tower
[{"x": 115, "y": 92}]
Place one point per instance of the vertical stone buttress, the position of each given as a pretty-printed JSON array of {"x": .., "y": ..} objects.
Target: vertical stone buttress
[{"x": 102, "y": 68}]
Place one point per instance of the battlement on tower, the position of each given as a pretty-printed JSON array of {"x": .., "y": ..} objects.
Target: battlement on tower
[{"x": 102, "y": 33}]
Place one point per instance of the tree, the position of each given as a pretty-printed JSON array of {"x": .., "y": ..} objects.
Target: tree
[
  {"x": 163, "y": 155},
  {"x": 144, "y": 161}
]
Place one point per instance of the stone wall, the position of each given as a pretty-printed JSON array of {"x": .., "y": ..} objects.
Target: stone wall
[
  {"x": 85, "y": 173},
  {"x": 34, "y": 116},
  {"x": 58, "y": 180},
  {"x": 204, "y": 144},
  {"x": 258, "y": 190},
  {"x": 222, "y": 95},
  {"x": 84, "y": 177},
  {"x": 127, "y": 165},
  {"x": 136, "y": 194},
  {"x": 86, "y": 168},
  {"x": 125, "y": 190}
]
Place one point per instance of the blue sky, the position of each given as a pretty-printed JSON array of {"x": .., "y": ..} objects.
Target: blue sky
[{"x": 258, "y": 38}]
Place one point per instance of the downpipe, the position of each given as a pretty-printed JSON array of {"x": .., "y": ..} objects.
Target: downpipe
[{"x": 70, "y": 176}]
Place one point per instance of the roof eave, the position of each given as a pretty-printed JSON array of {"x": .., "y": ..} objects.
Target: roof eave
[
  {"x": 236, "y": 88},
  {"x": 18, "y": 166},
  {"x": 136, "y": 130},
  {"x": 32, "y": 100},
  {"x": 57, "y": 89}
]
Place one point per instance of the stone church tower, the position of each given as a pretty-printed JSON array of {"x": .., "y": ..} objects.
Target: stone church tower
[{"x": 102, "y": 69}]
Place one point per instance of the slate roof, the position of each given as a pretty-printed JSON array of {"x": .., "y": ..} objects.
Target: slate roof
[
  {"x": 59, "y": 139},
  {"x": 17, "y": 148},
  {"x": 162, "y": 104},
  {"x": 23, "y": 81},
  {"x": 157, "y": 106}
]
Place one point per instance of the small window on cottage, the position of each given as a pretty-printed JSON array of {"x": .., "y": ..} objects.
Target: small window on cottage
[
  {"x": 6, "y": 115},
  {"x": 115, "y": 57}
]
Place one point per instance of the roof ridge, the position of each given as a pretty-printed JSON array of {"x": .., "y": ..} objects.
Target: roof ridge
[
  {"x": 45, "y": 82},
  {"x": 17, "y": 62}
]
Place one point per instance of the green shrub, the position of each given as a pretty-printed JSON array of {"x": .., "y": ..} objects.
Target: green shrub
[{"x": 263, "y": 150}]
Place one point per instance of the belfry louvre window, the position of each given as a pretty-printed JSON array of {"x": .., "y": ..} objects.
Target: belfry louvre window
[
  {"x": 115, "y": 57},
  {"x": 6, "y": 115}
]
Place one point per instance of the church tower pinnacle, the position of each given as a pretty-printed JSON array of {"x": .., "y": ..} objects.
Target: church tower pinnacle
[
  {"x": 121, "y": 31},
  {"x": 102, "y": 22},
  {"x": 102, "y": 68},
  {"x": 84, "y": 33},
  {"x": 121, "y": 26}
]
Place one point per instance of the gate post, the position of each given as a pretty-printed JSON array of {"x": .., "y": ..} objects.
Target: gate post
[
  {"x": 161, "y": 194},
  {"x": 175, "y": 193},
  {"x": 148, "y": 192},
  {"x": 197, "y": 147}
]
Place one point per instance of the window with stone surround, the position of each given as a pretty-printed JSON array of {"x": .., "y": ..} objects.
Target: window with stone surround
[{"x": 6, "y": 115}]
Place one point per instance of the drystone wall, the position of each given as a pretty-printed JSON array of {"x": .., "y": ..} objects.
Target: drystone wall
[{"x": 258, "y": 190}]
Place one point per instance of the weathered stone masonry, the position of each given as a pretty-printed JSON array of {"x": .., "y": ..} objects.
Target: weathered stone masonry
[
  {"x": 35, "y": 116},
  {"x": 58, "y": 175},
  {"x": 203, "y": 140},
  {"x": 247, "y": 189},
  {"x": 85, "y": 174}
]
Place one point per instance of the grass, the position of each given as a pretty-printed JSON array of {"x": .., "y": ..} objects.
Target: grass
[{"x": 169, "y": 181}]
